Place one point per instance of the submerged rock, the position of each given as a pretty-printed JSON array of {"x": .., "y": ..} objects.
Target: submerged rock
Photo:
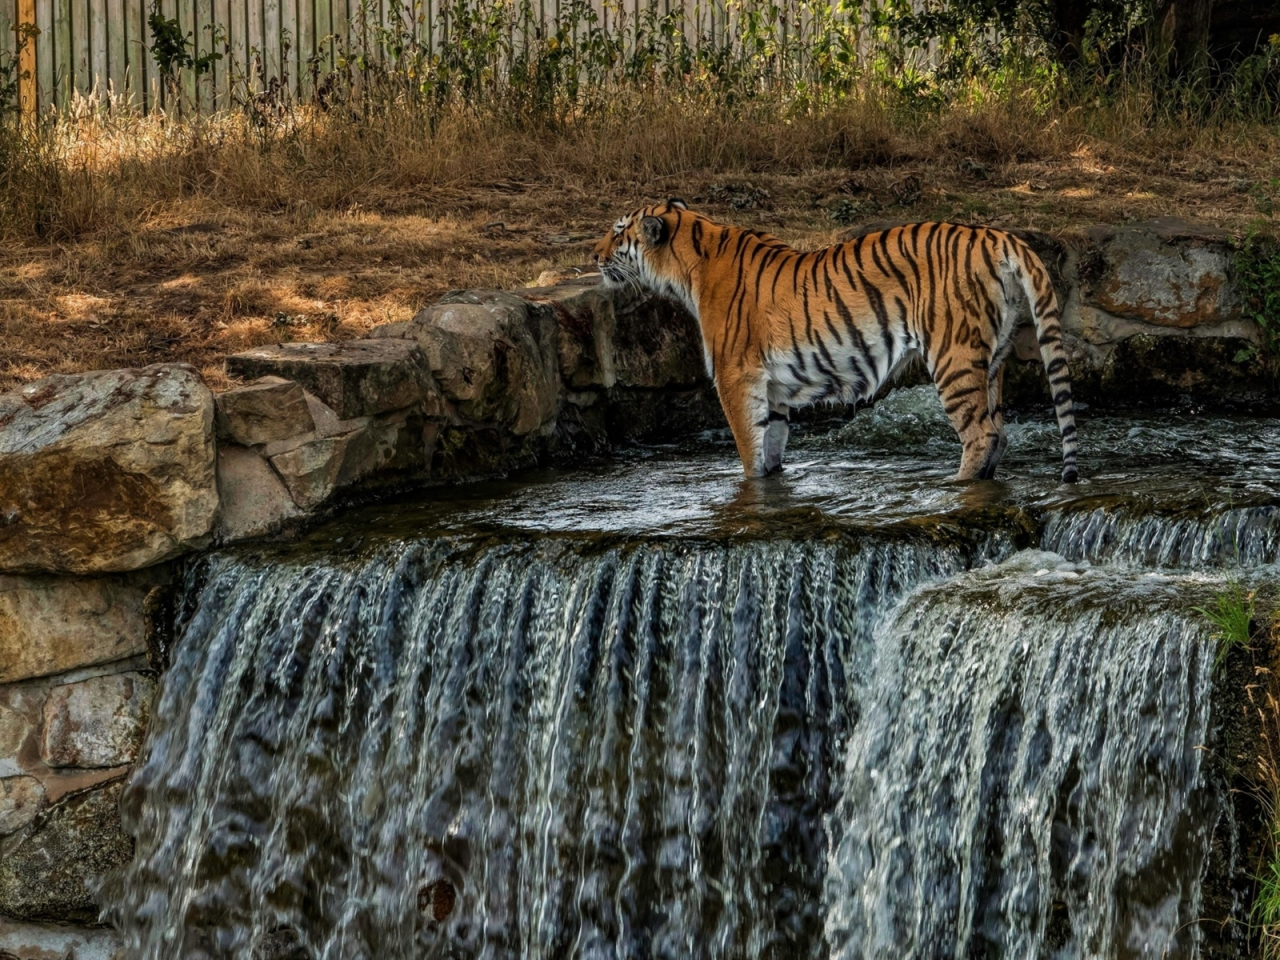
[{"x": 106, "y": 471}]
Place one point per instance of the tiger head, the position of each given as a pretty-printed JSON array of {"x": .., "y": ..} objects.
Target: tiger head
[{"x": 638, "y": 252}]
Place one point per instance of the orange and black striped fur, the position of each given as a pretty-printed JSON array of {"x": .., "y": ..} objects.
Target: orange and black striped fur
[{"x": 782, "y": 329}]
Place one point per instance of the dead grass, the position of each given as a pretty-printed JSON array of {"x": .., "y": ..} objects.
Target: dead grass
[{"x": 133, "y": 242}]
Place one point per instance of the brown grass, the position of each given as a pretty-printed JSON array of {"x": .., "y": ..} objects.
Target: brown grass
[{"x": 133, "y": 241}]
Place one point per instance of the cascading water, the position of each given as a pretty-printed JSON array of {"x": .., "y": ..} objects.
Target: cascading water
[
  {"x": 648, "y": 710},
  {"x": 1025, "y": 781},
  {"x": 611, "y": 752}
]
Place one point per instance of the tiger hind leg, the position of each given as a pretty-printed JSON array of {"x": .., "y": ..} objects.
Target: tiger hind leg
[
  {"x": 775, "y": 434},
  {"x": 966, "y": 397},
  {"x": 995, "y": 405}
]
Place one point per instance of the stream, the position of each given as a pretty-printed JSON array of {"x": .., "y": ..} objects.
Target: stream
[{"x": 649, "y": 709}]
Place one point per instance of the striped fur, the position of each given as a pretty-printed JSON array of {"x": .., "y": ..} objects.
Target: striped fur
[{"x": 782, "y": 329}]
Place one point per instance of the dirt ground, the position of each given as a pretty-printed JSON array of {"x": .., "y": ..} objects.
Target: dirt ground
[{"x": 196, "y": 281}]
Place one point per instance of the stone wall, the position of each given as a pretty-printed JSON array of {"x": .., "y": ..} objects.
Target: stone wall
[{"x": 108, "y": 478}]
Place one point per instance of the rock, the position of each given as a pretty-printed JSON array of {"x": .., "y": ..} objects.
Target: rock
[
  {"x": 313, "y": 469},
  {"x": 50, "y": 625},
  {"x": 1165, "y": 272},
  {"x": 98, "y": 722},
  {"x": 30, "y": 941},
  {"x": 269, "y": 409},
  {"x": 20, "y": 799},
  {"x": 656, "y": 343},
  {"x": 106, "y": 471},
  {"x": 357, "y": 378},
  {"x": 610, "y": 337},
  {"x": 53, "y": 870},
  {"x": 255, "y": 502},
  {"x": 493, "y": 354},
  {"x": 585, "y": 319},
  {"x": 15, "y": 730}
]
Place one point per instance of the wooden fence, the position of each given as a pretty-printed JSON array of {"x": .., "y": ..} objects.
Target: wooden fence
[
  {"x": 76, "y": 48},
  {"x": 102, "y": 47}
]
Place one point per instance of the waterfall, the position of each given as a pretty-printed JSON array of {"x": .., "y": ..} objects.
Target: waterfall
[
  {"x": 1025, "y": 780},
  {"x": 610, "y": 751},
  {"x": 650, "y": 711},
  {"x": 1211, "y": 537}
]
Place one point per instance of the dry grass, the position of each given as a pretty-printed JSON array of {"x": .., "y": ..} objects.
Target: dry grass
[{"x": 131, "y": 242}]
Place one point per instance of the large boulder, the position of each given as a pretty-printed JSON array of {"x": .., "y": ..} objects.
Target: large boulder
[
  {"x": 358, "y": 378},
  {"x": 255, "y": 501},
  {"x": 106, "y": 471},
  {"x": 20, "y": 800},
  {"x": 51, "y": 625},
  {"x": 493, "y": 354},
  {"x": 339, "y": 453},
  {"x": 1164, "y": 272}
]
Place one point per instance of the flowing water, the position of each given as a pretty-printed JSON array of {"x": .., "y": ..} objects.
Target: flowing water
[{"x": 648, "y": 709}]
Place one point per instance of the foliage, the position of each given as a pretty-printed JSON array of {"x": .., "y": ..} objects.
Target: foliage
[
  {"x": 1231, "y": 613},
  {"x": 1257, "y": 267},
  {"x": 11, "y": 72},
  {"x": 1266, "y": 903},
  {"x": 172, "y": 50},
  {"x": 501, "y": 55}
]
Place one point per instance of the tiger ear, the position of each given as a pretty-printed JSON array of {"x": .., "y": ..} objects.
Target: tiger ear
[
  {"x": 654, "y": 230},
  {"x": 677, "y": 204}
]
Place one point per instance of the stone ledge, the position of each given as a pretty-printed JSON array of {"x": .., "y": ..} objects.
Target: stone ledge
[{"x": 357, "y": 378}]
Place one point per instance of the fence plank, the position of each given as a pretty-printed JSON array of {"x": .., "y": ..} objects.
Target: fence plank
[
  {"x": 97, "y": 82},
  {"x": 222, "y": 42},
  {"x": 135, "y": 53},
  {"x": 324, "y": 36},
  {"x": 80, "y": 46},
  {"x": 238, "y": 68},
  {"x": 256, "y": 51},
  {"x": 204, "y": 47},
  {"x": 27, "y": 60},
  {"x": 115, "y": 47},
  {"x": 187, "y": 24},
  {"x": 8, "y": 16},
  {"x": 291, "y": 42},
  {"x": 271, "y": 35},
  {"x": 62, "y": 52},
  {"x": 44, "y": 56}
]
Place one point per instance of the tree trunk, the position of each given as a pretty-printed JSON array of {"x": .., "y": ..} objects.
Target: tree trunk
[
  {"x": 1069, "y": 18},
  {"x": 1182, "y": 29}
]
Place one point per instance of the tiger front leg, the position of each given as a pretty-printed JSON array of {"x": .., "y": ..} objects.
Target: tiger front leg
[{"x": 744, "y": 399}]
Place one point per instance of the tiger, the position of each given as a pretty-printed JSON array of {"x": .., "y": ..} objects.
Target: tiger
[{"x": 782, "y": 329}]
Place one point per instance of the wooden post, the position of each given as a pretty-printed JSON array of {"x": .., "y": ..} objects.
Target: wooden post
[{"x": 27, "y": 62}]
